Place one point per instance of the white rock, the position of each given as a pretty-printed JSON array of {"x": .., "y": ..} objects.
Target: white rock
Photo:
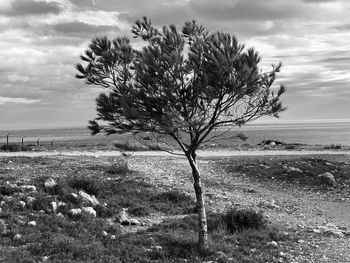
[
  {"x": 104, "y": 233},
  {"x": 28, "y": 188},
  {"x": 60, "y": 215},
  {"x": 327, "y": 178},
  {"x": 334, "y": 232},
  {"x": 75, "y": 211},
  {"x": 89, "y": 210},
  {"x": 32, "y": 223},
  {"x": 17, "y": 237},
  {"x": 90, "y": 199},
  {"x": 122, "y": 217},
  {"x": 272, "y": 244},
  {"x": 30, "y": 200},
  {"x": 134, "y": 221},
  {"x": 54, "y": 206},
  {"x": 50, "y": 183},
  {"x": 157, "y": 248},
  {"x": 113, "y": 237},
  {"x": 22, "y": 203}
]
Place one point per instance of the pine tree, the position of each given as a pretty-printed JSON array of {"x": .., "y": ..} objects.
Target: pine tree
[{"x": 188, "y": 82}]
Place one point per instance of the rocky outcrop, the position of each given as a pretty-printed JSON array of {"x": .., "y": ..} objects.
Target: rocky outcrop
[
  {"x": 88, "y": 199},
  {"x": 327, "y": 179}
]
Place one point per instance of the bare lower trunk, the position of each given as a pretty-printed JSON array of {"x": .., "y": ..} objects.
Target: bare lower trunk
[{"x": 202, "y": 217}]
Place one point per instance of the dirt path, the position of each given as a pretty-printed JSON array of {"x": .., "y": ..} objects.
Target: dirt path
[
  {"x": 201, "y": 153},
  {"x": 300, "y": 211}
]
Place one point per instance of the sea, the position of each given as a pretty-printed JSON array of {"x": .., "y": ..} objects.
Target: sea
[{"x": 305, "y": 133}]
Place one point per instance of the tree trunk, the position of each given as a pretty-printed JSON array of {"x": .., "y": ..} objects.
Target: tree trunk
[{"x": 202, "y": 217}]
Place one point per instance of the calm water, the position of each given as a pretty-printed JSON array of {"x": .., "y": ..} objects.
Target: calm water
[{"x": 315, "y": 133}]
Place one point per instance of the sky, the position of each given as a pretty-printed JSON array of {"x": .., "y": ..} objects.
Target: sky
[{"x": 41, "y": 40}]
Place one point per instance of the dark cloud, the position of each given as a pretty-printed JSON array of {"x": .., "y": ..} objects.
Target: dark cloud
[
  {"x": 343, "y": 27},
  {"x": 81, "y": 28},
  {"x": 246, "y": 10},
  {"x": 319, "y": 1},
  {"x": 30, "y": 7}
]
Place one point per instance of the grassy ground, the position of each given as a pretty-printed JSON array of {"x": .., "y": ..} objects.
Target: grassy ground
[{"x": 167, "y": 229}]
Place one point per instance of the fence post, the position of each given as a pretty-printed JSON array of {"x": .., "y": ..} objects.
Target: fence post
[
  {"x": 23, "y": 141},
  {"x": 51, "y": 143},
  {"x": 7, "y": 140},
  {"x": 37, "y": 142}
]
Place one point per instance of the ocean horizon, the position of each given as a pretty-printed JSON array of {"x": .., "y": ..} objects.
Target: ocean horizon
[{"x": 315, "y": 133}]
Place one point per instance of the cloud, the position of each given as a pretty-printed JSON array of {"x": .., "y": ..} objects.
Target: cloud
[
  {"x": 31, "y": 8},
  {"x": 77, "y": 28},
  {"x": 247, "y": 10},
  {"x": 6, "y": 100},
  {"x": 342, "y": 27}
]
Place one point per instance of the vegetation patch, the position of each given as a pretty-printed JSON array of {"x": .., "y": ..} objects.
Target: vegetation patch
[{"x": 291, "y": 169}]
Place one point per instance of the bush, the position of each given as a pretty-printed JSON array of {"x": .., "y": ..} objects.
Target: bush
[
  {"x": 239, "y": 219},
  {"x": 119, "y": 167},
  {"x": 139, "y": 211},
  {"x": 126, "y": 146},
  {"x": 90, "y": 185},
  {"x": 333, "y": 147},
  {"x": 41, "y": 202},
  {"x": 10, "y": 147}
]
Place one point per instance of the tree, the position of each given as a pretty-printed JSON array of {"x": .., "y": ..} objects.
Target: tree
[{"x": 183, "y": 84}]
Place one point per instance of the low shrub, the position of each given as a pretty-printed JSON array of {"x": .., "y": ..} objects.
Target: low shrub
[
  {"x": 41, "y": 202},
  {"x": 239, "y": 219},
  {"x": 126, "y": 146},
  {"x": 174, "y": 202},
  {"x": 89, "y": 185},
  {"x": 139, "y": 211},
  {"x": 13, "y": 147},
  {"x": 120, "y": 167},
  {"x": 333, "y": 147}
]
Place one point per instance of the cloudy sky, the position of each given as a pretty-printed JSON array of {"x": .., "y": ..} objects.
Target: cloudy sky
[{"x": 41, "y": 40}]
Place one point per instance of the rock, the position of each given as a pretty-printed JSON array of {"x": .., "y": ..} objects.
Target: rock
[
  {"x": 134, "y": 221},
  {"x": 334, "y": 232},
  {"x": 104, "y": 233},
  {"x": 75, "y": 211},
  {"x": 113, "y": 237},
  {"x": 17, "y": 237},
  {"x": 50, "y": 183},
  {"x": 27, "y": 188},
  {"x": 54, "y": 207},
  {"x": 44, "y": 258},
  {"x": 300, "y": 241},
  {"x": 3, "y": 228},
  {"x": 122, "y": 217},
  {"x": 60, "y": 215},
  {"x": 32, "y": 223},
  {"x": 157, "y": 248},
  {"x": 22, "y": 204},
  {"x": 89, "y": 210},
  {"x": 327, "y": 179},
  {"x": 272, "y": 244},
  {"x": 30, "y": 200},
  {"x": 90, "y": 199}
]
